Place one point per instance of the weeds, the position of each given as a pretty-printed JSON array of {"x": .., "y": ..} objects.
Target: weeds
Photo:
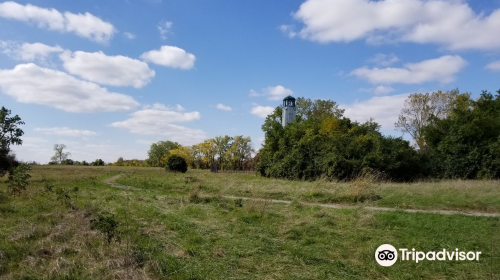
[{"x": 106, "y": 223}]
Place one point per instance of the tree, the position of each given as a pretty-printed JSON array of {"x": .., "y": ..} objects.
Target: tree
[
  {"x": 59, "y": 155},
  {"x": 186, "y": 153},
  {"x": 177, "y": 164},
  {"x": 222, "y": 144},
  {"x": 10, "y": 134},
  {"x": 158, "y": 150},
  {"x": 418, "y": 110},
  {"x": 240, "y": 150},
  {"x": 98, "y": 162},
  {"x": 466, "y": 144},
  {"x": 322, "y": 142}
]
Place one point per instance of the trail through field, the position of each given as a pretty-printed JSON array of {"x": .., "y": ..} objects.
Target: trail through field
[{"x": 111, "y": 182}]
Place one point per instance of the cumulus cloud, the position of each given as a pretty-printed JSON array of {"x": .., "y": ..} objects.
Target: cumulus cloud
[
  {"x": 261, "y": 111},
  {"x": 84, "y": 25},
  {"x": 452, "y": 24},
  {"x": 107, "y": 70},
  {"x": 159, "y": 120},
  {"x": 442, "y": 69},
  {"x": 170, "y": 56},
  {"x": 29, "y": 83},
  {"x": 164, "y": 27},
  {"x": 223, "y": 107},
  {"x": 384, "y": 110},
  {"x": 495, "y": 66},
  {"x": 29, "y": 52},
  {"x": 272, "y": 93},
  {"x": 65, "y": 131}
]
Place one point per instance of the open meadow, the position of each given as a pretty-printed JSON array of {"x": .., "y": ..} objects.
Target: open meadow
[{"x": 71, "y": 223}]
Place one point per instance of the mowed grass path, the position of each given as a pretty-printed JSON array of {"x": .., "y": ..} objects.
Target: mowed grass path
[{"x": 171, "y": 229}]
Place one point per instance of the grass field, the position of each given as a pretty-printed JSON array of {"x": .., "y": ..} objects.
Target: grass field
[{"x": 172, "y": 229}]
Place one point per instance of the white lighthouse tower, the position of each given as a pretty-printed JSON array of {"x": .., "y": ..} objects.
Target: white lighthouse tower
[{"x": 289, "y": 112}]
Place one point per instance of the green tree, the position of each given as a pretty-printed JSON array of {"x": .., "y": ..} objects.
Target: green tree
[
  {"x": 158, "y": 150},
  {"x": 10, "y": 134},
  {"x": 222, "y": 144},
  {"x": 239, "y": 151},
  {"x": 59, "y": 155},
  {"x": 322, "y": 142},
  {"x": 466, "y": 144},
  {"x": 177, "y": 164}
]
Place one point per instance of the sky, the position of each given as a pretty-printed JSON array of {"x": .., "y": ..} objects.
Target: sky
[{"x": 108, "y": 78}]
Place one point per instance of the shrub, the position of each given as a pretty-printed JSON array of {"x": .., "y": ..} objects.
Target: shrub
[
  {"x": 177, "y": 164},
  {"x": 18, "y": 178},
  {"x": 106, "y": 223}
]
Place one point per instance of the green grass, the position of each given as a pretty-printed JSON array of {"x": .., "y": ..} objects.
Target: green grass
[
  {"x": 480, "y": 196},
  {"x": 171, "y": 229}
]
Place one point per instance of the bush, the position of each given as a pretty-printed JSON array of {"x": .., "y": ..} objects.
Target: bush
[
  {"x": 176, "y": 164},
  {"x": 19, "y": 178}
]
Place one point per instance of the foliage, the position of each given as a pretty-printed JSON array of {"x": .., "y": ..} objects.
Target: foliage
[
  {"x": 10, "y": 134},
  {"x": 59, "y": 155},
  {"x": 67, "y": 161},
  {"x": 130, "y": 162},
  {"x": 418, "y": 110},
  {"x": 158, "y": 150},
  {"x": 106, "y": 223},
  {"x": 177, "y": 164},
  {"x": 323, "y": 143},
  {"x": 466, "y": 144},
  {"x": 98, "y": 162},
  {"x": 19, "y": 178}
]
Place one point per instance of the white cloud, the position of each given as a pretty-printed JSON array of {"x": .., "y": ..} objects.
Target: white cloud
[
  {"x": 495, "y": 66},
  {"x": 442, "y": 69},
  {"x": 107, "y": 70},
  {"x": 29, "y": 52},
  {"x": 170, "y": 56},
  {"x": 164, "y": 27},
  {"x": 129, "y": 35},
  {"x": 29, "y": 83},
  {"x": 65, "y": 131},
  {"x": 381, "y": 59},
  {"x": 273, "y": 93},
  {"x": 159, "y": 120},
  {"x": 84, "y": 25},
  {"x": 383, "y": 109},
  {"x": 452, "y": 24},
  {"x": 288, "y": 30},
  {"x": 223, "y": 107},
  {"x": 382, "y": 90},
  {"x": 261, "y": 111}
]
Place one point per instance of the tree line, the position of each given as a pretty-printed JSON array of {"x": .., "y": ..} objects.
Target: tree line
[
  {"x": 225, "y": 152},
  {"x": 455, "y": 136}
]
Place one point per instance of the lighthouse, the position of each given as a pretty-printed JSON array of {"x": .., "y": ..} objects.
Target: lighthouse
[{"x": 289, "y": 112}]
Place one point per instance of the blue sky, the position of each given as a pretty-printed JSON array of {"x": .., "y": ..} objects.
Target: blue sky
[{"x": 108, "y": 78}]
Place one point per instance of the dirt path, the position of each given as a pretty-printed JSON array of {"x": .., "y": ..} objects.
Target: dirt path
[{"x": 111, "y": 181}]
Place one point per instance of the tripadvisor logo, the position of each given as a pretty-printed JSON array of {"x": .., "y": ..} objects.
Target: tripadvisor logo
[{"x": 387, "y": 255}]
